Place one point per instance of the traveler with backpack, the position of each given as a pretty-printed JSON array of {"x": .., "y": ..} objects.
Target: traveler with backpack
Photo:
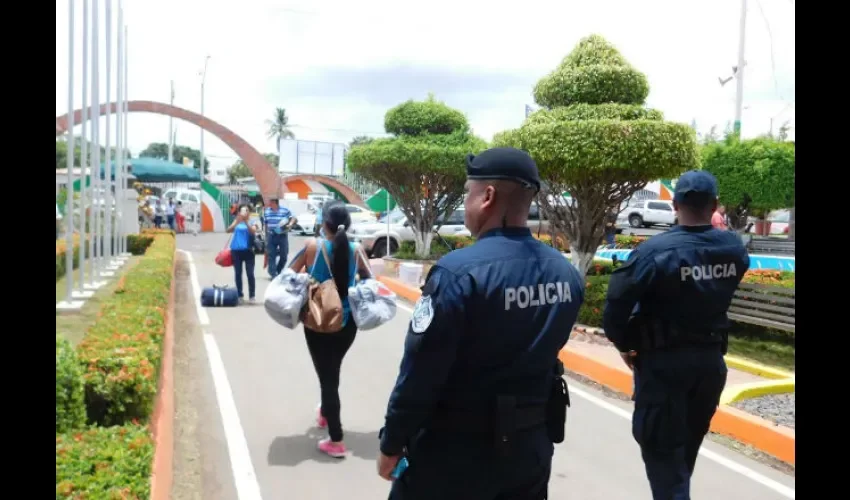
[{"x": 333, "y": 262}]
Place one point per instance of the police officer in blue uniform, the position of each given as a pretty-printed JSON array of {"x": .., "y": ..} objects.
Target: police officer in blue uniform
[
  {"x": 480, "y": 396},
  {"x": 666, "y": 314}
]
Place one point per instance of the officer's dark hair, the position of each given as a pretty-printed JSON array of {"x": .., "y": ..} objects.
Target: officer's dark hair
[
  {"x": 337, "y": 221},
  {"x": 697, "y": 203}
]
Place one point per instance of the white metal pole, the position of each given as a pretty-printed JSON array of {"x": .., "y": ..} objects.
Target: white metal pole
[
  {"x": 97, "y": 231},
  {"x": 108, "y": 165},
  {"x": 171, "y": 128},
  {"x": 203, "y": 81},
  {"x": 69, "y": 189},
  {"x": 739, "y": 77},
  {"x": 126, "y": 122},
  {"x": 119, "y": 135},
  {"x": 84, "y": 160}
]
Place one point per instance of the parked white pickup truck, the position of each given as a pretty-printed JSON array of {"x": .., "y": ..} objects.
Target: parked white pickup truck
[{"x": 648, "y": 213}]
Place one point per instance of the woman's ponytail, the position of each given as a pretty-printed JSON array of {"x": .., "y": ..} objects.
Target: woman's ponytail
[
  {"x": 341, "y": 261},
  {"x": 337, "y": 218}
]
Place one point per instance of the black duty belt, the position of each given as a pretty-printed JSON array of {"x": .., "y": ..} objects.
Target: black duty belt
[{"x": 486, "y": 422}]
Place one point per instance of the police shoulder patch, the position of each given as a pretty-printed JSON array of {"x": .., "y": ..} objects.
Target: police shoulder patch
[{"x": 423, "y": 313}]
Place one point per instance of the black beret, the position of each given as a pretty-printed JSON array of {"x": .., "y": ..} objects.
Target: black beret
[{"x": 508, "y": 164}]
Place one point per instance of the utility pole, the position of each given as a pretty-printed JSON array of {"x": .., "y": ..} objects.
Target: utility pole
[
  {"x": 171, "y": 128},
  {"x": 739, "y": 77}
]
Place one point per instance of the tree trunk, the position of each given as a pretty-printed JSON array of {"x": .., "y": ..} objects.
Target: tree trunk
[
  {"x": 422, "y": 241},
  {"x": 792, "y": 224},
  {"x": 582, "y": 253}
]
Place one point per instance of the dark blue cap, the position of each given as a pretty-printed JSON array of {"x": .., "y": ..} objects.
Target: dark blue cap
[
  {"x": 695, "y": 181},
  {"x": 508, "y": 164}
]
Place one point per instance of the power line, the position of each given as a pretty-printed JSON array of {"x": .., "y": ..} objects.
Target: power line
[{"x": 772, "y": 58}]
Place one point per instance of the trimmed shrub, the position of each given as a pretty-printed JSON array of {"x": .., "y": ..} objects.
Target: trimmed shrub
[
  {"x": 121, "y": 352},
  {"x": 70, "y": 401},
  {"x": 105, "y": 462},
  {"x": 596, "y": 288},
  {"x": 137, "y": 244},
  {"x": 439, "y": 246}
]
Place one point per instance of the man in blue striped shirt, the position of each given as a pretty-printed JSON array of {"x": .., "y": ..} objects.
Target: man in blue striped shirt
[{"x": 279, "y": 221}]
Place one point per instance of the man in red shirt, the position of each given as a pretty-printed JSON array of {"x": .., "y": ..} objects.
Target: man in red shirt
[{"x": 718, "y": 218}]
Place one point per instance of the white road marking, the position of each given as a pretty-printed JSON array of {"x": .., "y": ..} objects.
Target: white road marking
[
  {"x": 776, "y": 486},
  {"x": 244, "y": 477},
  {"x": 203, "y": 317}
]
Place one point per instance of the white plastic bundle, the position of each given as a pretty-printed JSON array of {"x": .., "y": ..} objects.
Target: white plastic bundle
[
  {"x": 286, "y": 296},
  {"x": 372, "y": 304}
]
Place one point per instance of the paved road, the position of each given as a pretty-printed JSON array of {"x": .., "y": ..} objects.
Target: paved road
[{"x": 258, "y": 395}]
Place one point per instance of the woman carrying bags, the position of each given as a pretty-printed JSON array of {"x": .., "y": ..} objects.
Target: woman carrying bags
[
  {"x": 242, "y": 251},
  {"x": 328, "y": 349}
]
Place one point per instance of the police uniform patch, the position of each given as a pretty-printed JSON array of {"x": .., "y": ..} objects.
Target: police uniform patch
[{"x": 423, "y": 313}]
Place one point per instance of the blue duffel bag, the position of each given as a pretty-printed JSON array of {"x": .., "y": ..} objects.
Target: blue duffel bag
[{"x": 219, "y": 296}]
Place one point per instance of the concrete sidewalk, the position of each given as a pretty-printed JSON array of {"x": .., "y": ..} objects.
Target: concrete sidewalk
[{"x": 261, "y": 441}]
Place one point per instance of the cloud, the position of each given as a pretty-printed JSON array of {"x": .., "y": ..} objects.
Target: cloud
[{"x": 337, "y": 66}]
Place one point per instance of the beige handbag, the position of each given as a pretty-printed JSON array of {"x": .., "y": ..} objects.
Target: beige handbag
[{"x": 323, "y": 310}]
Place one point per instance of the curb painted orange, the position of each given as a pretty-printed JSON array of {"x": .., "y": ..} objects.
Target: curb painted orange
[
  {"x": 402, "y": 290},
  {"x": 163, "y": 413},
  {"x": 777, "y": 441},
  {"x": 613, "y": 377}
]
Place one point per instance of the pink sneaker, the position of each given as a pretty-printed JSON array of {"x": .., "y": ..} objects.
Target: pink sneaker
[
  {"x": 321, "y": 421},
  {"x": 336, "y": 450}
]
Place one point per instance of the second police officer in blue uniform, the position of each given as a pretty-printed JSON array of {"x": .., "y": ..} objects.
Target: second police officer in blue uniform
[
  {"x": 666, "y": 314},
  {"x": 480, "y": 396}
]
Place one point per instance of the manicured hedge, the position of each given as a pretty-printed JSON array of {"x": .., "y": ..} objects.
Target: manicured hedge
[
  {"x": 105, "y": 462},
  {"x": 596, "y": 288},
  {"x": 118, "y": 364},
  {"x": 137, "y": 244},
  {"x": 121, "y": 351},
  {"x": 70, "y": 405}
]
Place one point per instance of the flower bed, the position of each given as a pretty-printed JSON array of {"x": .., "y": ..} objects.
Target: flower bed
[
  {"x": 104, "y": 462},
  {"x": 119, "y": 358}
]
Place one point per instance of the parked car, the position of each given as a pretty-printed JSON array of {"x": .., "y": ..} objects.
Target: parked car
[
  {"x": 360, "y": 215},
  {"x": 374, "y": 237},
  {"x": 648, "y": 213}
]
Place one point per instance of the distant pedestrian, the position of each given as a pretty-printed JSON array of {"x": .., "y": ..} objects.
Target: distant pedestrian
[
  {"x": 611, "y": 228},
  {"x": 718, "y": 219},
  {"x": 242, "y": 251}
]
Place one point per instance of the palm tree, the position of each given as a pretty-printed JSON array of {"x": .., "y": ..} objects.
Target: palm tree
[{"x": 279, "y": 127}]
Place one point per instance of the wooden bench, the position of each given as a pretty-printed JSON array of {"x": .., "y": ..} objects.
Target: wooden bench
[
  {"x": 771, "y": 246},
  {"x": 764, "y": 305}
]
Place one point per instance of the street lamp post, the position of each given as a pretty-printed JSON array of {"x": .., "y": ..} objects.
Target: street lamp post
[
  {"x": 739, "y": 78},
  {"x": 203, "y": 80}
]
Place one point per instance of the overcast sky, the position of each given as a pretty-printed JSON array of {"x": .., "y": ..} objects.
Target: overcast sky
[{"x": 337, "y": 66}]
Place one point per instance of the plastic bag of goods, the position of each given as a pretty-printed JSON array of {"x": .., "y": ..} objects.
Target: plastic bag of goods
[
  {"x": 285, "y": 297},
  {"x": 372, "y": 304}
]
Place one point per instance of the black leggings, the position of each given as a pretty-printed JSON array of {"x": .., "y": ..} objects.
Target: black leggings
[{"x": 327, "y": 351}]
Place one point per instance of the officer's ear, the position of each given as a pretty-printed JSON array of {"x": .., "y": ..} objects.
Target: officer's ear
[{"x": 489, "y": 198}]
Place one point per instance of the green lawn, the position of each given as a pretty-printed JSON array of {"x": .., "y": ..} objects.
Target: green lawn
[
  {"x": 766, "y": 351},
  {"x": 73, "y": 325}
]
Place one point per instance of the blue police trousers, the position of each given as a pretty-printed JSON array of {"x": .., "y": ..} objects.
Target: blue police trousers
[
  {"x": 457, "y": 466},
  {"x": 676, "y": 394}
]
